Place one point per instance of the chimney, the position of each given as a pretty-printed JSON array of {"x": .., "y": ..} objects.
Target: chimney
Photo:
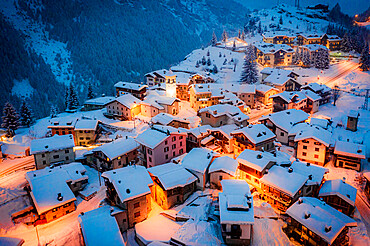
[
  {"x": 327, "y": 228},
  {"x": 60, "y": 197},
  {"x": 290, "y": 170},
  {"x": 208, "y": 155},
  {"x": 307, "y": 215}
]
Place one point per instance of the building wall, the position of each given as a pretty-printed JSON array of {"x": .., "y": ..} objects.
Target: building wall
[
  {"x": 348, "y": 162},
  {"x": 85, "y": 137},
  {"x": 139, "y": 213},
  {"x": 244, "y": 239},
  {"x": 281, "y": 136},
  {"x": 265, "y": 97},
  {"x": 149, "y": 111},
  {"x": 247, "y": 98},
  {"x": 311, "y": 151},
  {"x": 119, "y": 110},
  {"x": 63, "y": 130},
  {"x": 45, "y": 159},
  {"x": 182, "y": 92},
  {"x": 216, "y": 177},
  {"x": 101, "y": 160},
  {"x": 58, "y": 212}
]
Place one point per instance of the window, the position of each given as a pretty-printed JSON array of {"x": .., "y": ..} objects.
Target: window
[
  {"x": 165, "y": 142},
  {"x": 66, "y": 151},
  {"x": 180, "y": 143},
  {"x": 56, "y": 156},
  {"x": 304, "y": 153},
  {"x": 57, "y": 132},
  {"x": 220, "y": 178},
  {"x": 173, "y": 146},
  {"x": 166, "y": 157},
  {"x": 119, "y": 163},
  {"x": 181, "y": 137},
  {"x": 173, "y": 154},
  {"x": 81, "y": 138},
  {"x": 282, "y": 134},
  {"x": 44, "y": 162},
  {"x": 316, "y": 156},
  {"x": 136, "y": 205},
  {"x": 317, "y": 149},
  {"x": 166, "y": 149},
  {"x": 150, "y": 151},
  {"x": 150, "y": 159},
  {"x": 67, "y": 158},
  {"x": 173, "y": 138},
  {"x": 43, "y": 155},
  {"x": 137, "y": 214},
  {"x": 304, "y": 146},
  {"x": 181, "y": 151}
]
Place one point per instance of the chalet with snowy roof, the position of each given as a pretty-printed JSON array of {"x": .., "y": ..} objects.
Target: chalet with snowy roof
[
  {"x": 264, "y": 93},
  {"x": 273, "y": 54},
  {"x": 313, "y": 222},
  {"x": 283, "y": 80},
  {"x": 197, "y": 161},
  {"x": 277, "y": 191},
  {"x": 233, "y": 100},
  {"x": 315, "y": 174},
  {"x": 320, "y": 89},
  {"x": 155, "y": 104},
  {"x": 323, "y": 123},
  {"x": 135, "y": 89},
  {"x": 220, "y": 139},
  {"x": 254, "y": 137},
  {"x": 340, "y": 195},
  {"x": 367, "y": 184},
  {"x": 222, "y": 168},
  {"x": 54, "y": 150},
  {"x": 312, "y": 145},
  {"x": 205, "y": 95},
  {"x": 117, "y": 154},
  {"x": 86, "y": 132},
  {"x": 282, "y": 122},
  {"x": 97, "y": 103},
  {"x": 62, "y": 126},
  {"x": 236, "y": 212},
  {"x": 124, "y": 107},
  {"x": 51, "y": 190},
  {"x": 253, "y": 165},
  {"x": 98, "y": 220},
  {"x": 156, "y": 77},
  {"x": 159, "y": 144},
  {"x": 129, "y": 189},
  {"x": 219, "y": 115},
  {"x": 349, "y": 155},
  {"x": 352, "y": 120},
  {"x": 173, "y": 184},
  {"x": 195, "y": 136},
  {"x": 279, "y": 37},
  {"x": 294, "y": 130},
  {"x": 305, "y": 100},
  {"x": 331, "y": 42},
  {"x": 170, "y": 120},
  {"x": 244, "y": 92}
]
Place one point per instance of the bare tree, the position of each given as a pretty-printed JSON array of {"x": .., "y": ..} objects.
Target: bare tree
[{"x": 335, "y": 92}]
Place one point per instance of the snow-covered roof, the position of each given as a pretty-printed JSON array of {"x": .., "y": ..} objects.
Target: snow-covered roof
[
  {"x": 200, "y": 130},
  {"x": 99, "y": 227},
  {"x": 311, "y": 95},
  {"x": 50, "y": 191},
  {"x": 268, "y": 48},
  {"x": 158, "y": 101},
  {"x": 182, "y": 78},
  {"x": 256, "y": 133},
  {"x": 172, "y": 175},
  {"x": 277, "y": 177},
  {"x": 198, "y": 159},
  {"x": 128, "y": 100},
  {"x": 236, "y": 203},
  {"x": 264, "y": 88},
  {"x": 214, "y": 89},
  {"x": 165, "y": 119},
  {"x": 333, "y": 37},
  {"x": 118, "y": 147},
  {"x": 239, "y": 88},
  {"x": 267, "y": 70},
  {"x": 130, "y": 182},
  {"x": 11, "y": 241},
  {"x": 158, "y": 73},
  {"x": 225, "y": 164},
  {"x": 339, "y": 188},
  {"x": 102, "y": 101},
  {"x": 324, "y": 123},
  {"x": 52, "y": 143},
  {"x": 86, "y": 124},
  {"x": 206, "y": 140},
  {"x": 319, "y": 134},
  {"x": 286, "y": 119},
  {"x": 224, "y": 109},
  {"x": 62, "y": 122},
  {"x": 315, "y": 173},
  {"x": 320, "y": 218},
  {"x": 353, "y": 114},
  {"x": 279, "y": 77},
  {"x": 225, "y": 130},
  {"x": 350, "y": 149},
  {"x": 314, "y": 47},
  {"x": 291, "y": 96},
  {"x": 130, "y": 86},
  {"x": 311, "y": 35},
  {"x": 231, "y": 99},
  {"x": 273, "y": 34},
  {"x": 256, "y": 160},
  {"x": 152, "y": 137},
  {"x": 317, "y": 87},
  {"x": 295, "y": 129}
]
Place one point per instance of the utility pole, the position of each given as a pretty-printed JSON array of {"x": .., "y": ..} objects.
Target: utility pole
[{"x": 366, "y": 103}]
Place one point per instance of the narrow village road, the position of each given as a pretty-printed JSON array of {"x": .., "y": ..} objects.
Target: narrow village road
[{"x": 23, "y": 163}]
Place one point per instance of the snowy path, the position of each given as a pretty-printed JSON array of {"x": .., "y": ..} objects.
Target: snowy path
[{"x": 10, "y": 166}]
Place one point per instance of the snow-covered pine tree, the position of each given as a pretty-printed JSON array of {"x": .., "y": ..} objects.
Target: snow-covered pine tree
[
  {"x": 10, "y": 119},
  {"x": 67, "y": 99},
  {"x": 73, "y": 97},
  {"x": 204, "y": 61},
  {"x": 281, "y": 20},
  {"x": 249, "y": 74},
  {"x": 243, "y": 35},
  {"x": 259, "y": 28},
  {"x": 296, "y": 56},
  {"x": 197, "y": 64},
  {"x": 214, "y": 39},
  {"x": 346, "y": 45},
  {"x": 239, "y": 34},
  {"x": 90, "y": 93},
  {"x": 215, "y": 69},
  {"x": 209, "y": 62},
  {"x": 208, "y": 54},
  {"x": 53, "y": 111},
  {"x": 234, "y": 46},
  {"x": 321, "y": 59},
  {"x": 25, "y": 115},
  {"x": 225, "y": 61},
  {"x": 365, "y": 59},
  {"x": 306, "y": 59},
  {"x": 224, "y": 36}
]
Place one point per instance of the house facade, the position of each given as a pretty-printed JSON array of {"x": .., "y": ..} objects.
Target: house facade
[
  {"x": 135, "y": 89},
  {"x": 349, "y": 155},
  {"x": 125, "y": 107},
  {"x": 222, "y": 168},
  {"x": 273, "y": 54},
  {"x": 86, "y": 132},
  {"x": 219, "y": 115}
]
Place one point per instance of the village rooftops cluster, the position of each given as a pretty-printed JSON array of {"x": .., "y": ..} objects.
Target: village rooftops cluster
[{"x": 53, "y": 143}]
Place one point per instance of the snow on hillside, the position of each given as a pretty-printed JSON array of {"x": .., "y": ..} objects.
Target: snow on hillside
[
  {"x": 55, "y": 53},
  {"x": 22, "y": 88}
]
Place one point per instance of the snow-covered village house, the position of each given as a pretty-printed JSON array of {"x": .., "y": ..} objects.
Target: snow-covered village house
[
  {"x": 219, "y": 115},
  {"x": 349, "y": 155},
  {"x": 173, "y": 184},
  {"x": 220, "y": 139},
  {"x": 282, "y": 122},
  {"x": 279, "y": 37},
  {"x": 156, "y": 77},
  {"x": 264, "y": 93},
  {"x": 98, "y": 220},
  {"x": 204, "y": 95},
  {"x": 195, "y": 136},
  {"x": 197, "y": 161},
  {"x": 54, "y": 150},
  {"x": 331, "y": 42},
  {"x": 62, "y": 127},
  {"x": 340, "y": 195},
  {"x": 170, "y": 120},
  {"x": 312, "y": 49},
  {"x": 135, "y": 89},
  {"x": 97, "y": 103},
  {"x": 253, "y": 165},
  {"x": 223, "y": 167},
  {"x": 51, "y": 190},
  {"x": 313, "y": 222},
  {"x": 320, "y": 89},
  {"x": 273, "y": 54},
  {"x": 125, "y": 107},
  {"x": 312, "y": 145},
  {"x": 159, "y": 144},
  {"x": 86, "y": 132},
  {"x": 255, "y": 137},
  {"x": 117, "y": 154},
  {"x": 155, "y": 104},
  {"x": 280, "y": 192},
  {"x": 305, "y": 100},
  {"x": 352, "y": 120},
  {"x": 283, "y": 80},
  {"x": 244, "y": 92},
  {"x": 129, "y": 189},
  {"x": 236, "y": 212}
]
